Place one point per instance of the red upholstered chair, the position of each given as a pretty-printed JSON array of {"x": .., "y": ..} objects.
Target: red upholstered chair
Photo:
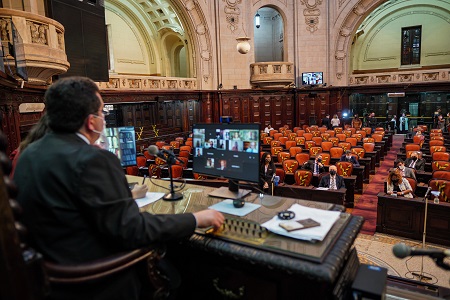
[
  {"x": 154, "y": 171},
  {"x": 368, "y": 140},
  {"x": 184, "y": 154},
  {"x": 326, "y": 158},
  {"x": 439, "y": 138},
  {"x": 377, "y": 137},
  {"x": 353, "y": 141},
  {"x": 300, "y": 140},
  {"x": 379, "y": 129},
  {"x": 437, "y": 149},
  {"x": 167, "y": 147},
  {"x": 292, "y": 136},
  {"x": 344, "y": 168},
  {"x": 412, "y": 147},
  {"x": 175, "y": 144},
  {"x": 282, "y": 156},
  {"x": 293, "y": 151},
  {"x": 331, "y": 133},
  {"x": 300, "y": 132},
  {"x": 440, "y": 165},
  {"x": 338, "y": 130},
  {"x": 185, "y": 161},
  {"x": 436, "y": 143},
  {"x": 159, "y": 144},
  {"x": 379, "y": 132},
  {"x": 309, "y": 144},
  {"x": 295, "y": 129},
  {"x": 308, "y": 136},
  {"x": 439, "y": 174},
  {"x": 443, "y": 186},
  {"x": 277, "y": 136},
  {"x": 361, "y": 132},
  {"x": 347, "y": 133},
  {"x": 341, "y": 137},
  {"x": 358, "y": 151},
  {"x": 180, "y": 140},
  {"x": 189, "y": 143},
  {"x": 345, "y": 145},
  {"x": 283, "y": 140},
  {"x": 290, "y": 166},
  {"x": 303, "y": 177},
  {"x": 322, "y": 129},
  {"x": 301, "y": 158},
  {"x": 357, "y": 136},
  {"x": 290, "y": 144},
  {"x": 316, "y": 133},
  {"x": 280, "y": 172},
  {"x": 445, "y": 156},
  {"x": 186, "y": 148},
  {"x": 262, "y": 135},
  {"x": 369, "y": 147},
  {"x": 272, "y": 132},
  {"x": 368, "y": 130},
  {"x": 141, "y": 161},
  {"x": 317, "y": 140},
  {"x": 148, "y": 155},
  {"x": 419, "y": 140},
  {"x": 326, "y": 146},
  {"x": 159, "y": 161},
  {"x": 198, "y": 176},
  {"x": 353, "y": 130},
  {"x": 274, "y": 150},
  {"x": 436, "y": 130},
  {"x": 336, "y": 152},
  {"x": 267, "y": 140},
  {"x": 334, "y": 140},
  {"x": 325, "y": 136},
  {"x": 177, "y": 171},
  {"x": 132, "y": 170},
  {"x": 314, "y": 150},
  {"x": 275, "y": 143},
  {"x": 413, "y": 184},
  {"x": 433, "y": 134}
]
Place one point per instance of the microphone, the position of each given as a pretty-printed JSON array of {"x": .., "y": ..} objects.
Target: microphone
[
  {"x": 428, "y": 191},
  {"x": 273, "y": 177},
  {"x": 171, "y": 159},
  {"x": 401, "y": 251}
]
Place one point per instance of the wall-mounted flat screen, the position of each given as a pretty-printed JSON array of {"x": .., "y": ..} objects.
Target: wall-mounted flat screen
[
  {"x": 312, "y": 78},
  {"x": 122, "y": 142}
]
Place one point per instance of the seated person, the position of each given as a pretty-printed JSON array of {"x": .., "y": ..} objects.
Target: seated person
[
  {"x": 398, "y": 185},
  {"x": 315, "y": 166},
  {"x": 404, "y": 171},
  {"x": 268, "y": 129},
  {"x": 333, "y": 180},
  {"x": 414, "y": 162},
  {"x": 266, "y": 172},
  {"x": 350, "y": 158}
]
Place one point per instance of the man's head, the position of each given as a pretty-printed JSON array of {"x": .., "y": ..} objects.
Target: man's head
[
  {"x": 74, "y": 105},
  {"x": 333, "y": 170},
  {"x": 319, "y": 157},
  {"x": 414, "y": 155},
  {"x": 348, "y": 154},
  {"x": 400, "y": 164}
]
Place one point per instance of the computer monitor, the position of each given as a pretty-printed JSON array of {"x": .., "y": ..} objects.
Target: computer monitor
[
  {"x": 312, "y": 78},
  {"x": 230, "y": 151},
  {"x": 122, "y": 142}
]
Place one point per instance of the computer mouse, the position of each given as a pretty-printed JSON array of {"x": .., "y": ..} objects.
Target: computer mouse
[{"x": 238, "y": 203}]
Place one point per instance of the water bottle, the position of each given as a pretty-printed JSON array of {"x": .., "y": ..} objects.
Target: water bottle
[{"x": 276, "y": 179}]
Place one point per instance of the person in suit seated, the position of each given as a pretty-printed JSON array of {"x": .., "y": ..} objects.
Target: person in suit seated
[
  {"x": 315, "y": 166},
  {"x": 350, "y": 158},
  {"x": 266, "y": 172},
  {"x": 332, "y": 180},
  {"x": 415, "y": 162},
  {"x": 405, "y": 171},
  {"x": 76, "y": 202},
  {"x": 398, "y": 185},
  {"x": 223, "y": 164}
]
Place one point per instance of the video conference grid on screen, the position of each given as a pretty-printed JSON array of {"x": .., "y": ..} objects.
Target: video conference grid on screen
[
  {"x": 121, "y": 141},
  {"x": 312, "y": 78},
  {"x": 227, "y": 150}
]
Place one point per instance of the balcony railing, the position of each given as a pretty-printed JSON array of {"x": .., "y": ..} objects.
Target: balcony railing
[
  {"x": 273, "y": 74},
  {"x": 37, "y": 45},
  {"x": 406, "y": 76},
  {"x": 130, "y": 82}
]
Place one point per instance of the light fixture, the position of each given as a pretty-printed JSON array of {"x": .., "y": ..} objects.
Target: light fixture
[{"x": 257, "y": 20}]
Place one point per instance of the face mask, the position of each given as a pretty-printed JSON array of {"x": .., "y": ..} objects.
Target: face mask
[
  {"x": 267, "y": 159},
  {"x": 333, "y": 172},
  {"x": 319, "y": 160},
  {"x": 401, "y": 167},
  {"x": 349, "y": 157},
  {"x": 414, "y": 158}
]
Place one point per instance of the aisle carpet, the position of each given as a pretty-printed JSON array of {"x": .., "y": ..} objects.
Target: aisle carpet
[{"x": 367, "y": 203}]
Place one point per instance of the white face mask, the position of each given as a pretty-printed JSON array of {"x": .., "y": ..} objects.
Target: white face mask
[
  {"x": 349, "y": 157},
  {"x": 401, "y": 167}
]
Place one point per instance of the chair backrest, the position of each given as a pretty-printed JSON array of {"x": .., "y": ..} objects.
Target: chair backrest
[
  {"x": 132, "y": 170},
  {"x": 437, "y": 149},
  {"x": 267, "y": 140},
  {"x": 361, "y": 132},
  {"x": 326, "y": 146},
  {"x": 413, "y": 184},
  {"x": 177, "y": 171},
  {"x": 141, "y": 161},
  {"x": 167, "y": 147},
  {"x": 300, "y": 132},
  {"x": 274, "y": 150},
  {"x": 322, "y": 129},
  {"x": 314, "y": 150},
  {"x": 347, "y": 133},
  {"x": 198, "y": 176},
  {"x": 412, "y": 147},
  {"x": 326, "y": 158},
  {"x": 300, "y": 140},
  {"x": 301, "y": 158},
  {"x": 436, "y": 130},
  {"x": 379, "y": 129},
  {"x": 438, "y": 138},
  {"x": 377, "y": 137},
  {"x": 338, "y": 130},
  {"x": 309, "y": 144},
  {"x": 368, "y": 130},
  {"x": 185, "y": 161},
  {"x": 336, "y": 152},
  {"x": 280, "y": 172},
  {"x": 159, "y": 144},
  {"x": 186, "y": 148},
  {"x": 282, "y": 156},
  {"x": 334, "y": 140},
  {"x": 183, "y": 153},
  {"x": 441, "y": 185},
  {"x": 440, "y": 174},
  {"x": 308, "y": 136},
  {"x": 272, "y": 132},
  {"x": 418, "y": 139},
  {"x": 332, "y": 133},
  {"x": 357, "y": 136},
  {"x": 436, "y": 143},
  {"x": 368, "y": 140},
  {"x": 369, "y": 147},
  {"x": 341, "y": 137},
  {"x": 445, "y": 156},
  {"x": 325, "y": 136},
  {"x": 316, "y": 133},
  {"x": 159, "y": 161},
  {"x": 344, "y": 168},
  {"x": 175, "y": 144},
  {"x": 154, "y": 171},
  {"x": 275, "y": 143},
  {"x": 345, "y": 145},
  {"x": 440, "y": 165},
  {"x": 433, "y": 134},
  {"x": 290, "y": 144},
  {"x": 292, "y": 136},
  {"x": 303, "y": 177},
  {"x": 148, "y": 155},
  {"x": 283, "y": 140},
  {"x": 189, "y": 143},
  {"x": 353, "y": 141},
  {"x": 317, "y": 140},
  {"x": 293, "y": 151},
  {"x": 358, "y": 151},
  {"x": 290, "y": 166},
  {"x": 276, "y": 136}
]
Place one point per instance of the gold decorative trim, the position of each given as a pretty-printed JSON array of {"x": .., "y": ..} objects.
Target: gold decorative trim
[{"x": 311, "y": 13}]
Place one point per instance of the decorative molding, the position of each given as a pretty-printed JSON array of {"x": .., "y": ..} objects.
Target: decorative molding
[
  {"x": 232, "y": 12},
  {"x": 419, "y": 76},
  {"x": 145, "y": 83},
  {"x": 311, "y": 13}
]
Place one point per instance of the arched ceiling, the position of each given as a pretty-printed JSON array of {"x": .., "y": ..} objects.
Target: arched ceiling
[{"x": 161, "y": 15}]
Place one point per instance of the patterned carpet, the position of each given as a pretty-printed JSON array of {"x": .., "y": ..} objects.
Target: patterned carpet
[{"x": 366, "y": 204}]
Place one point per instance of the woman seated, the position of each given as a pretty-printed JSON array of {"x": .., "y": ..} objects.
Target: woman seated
[{"x": 397, "y": 185}]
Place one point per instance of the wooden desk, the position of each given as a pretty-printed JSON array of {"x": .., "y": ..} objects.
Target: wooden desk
[
  {"x": 405, "y": 217},
  {"x": 212, "y": 267},
  {"x": 349, "y": 186}
]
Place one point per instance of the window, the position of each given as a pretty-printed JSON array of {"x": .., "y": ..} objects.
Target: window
[{"x": 411, "y": 40}]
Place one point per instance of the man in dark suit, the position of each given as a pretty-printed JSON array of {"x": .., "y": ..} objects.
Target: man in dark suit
[
  {"x": 350, "y": 158},
  {"x": 405, "y": 171},
  {"x": 76, "y": 202},
  {"x": 333, "y": 181},
  {"x": 326, "y": 122},
  {"x": 415, "y": 162},
  {"x": 315, "y": 166}
]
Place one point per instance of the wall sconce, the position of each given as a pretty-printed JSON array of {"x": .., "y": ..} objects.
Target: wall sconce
[
  {"x": 258, "y": 20},
  {"x": 243, "y": 45}
]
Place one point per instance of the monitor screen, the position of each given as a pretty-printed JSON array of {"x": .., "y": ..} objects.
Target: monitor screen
[
  {"x": 227, "y": 150},
  {"x": 312, "y": 78},
  {"x": 122, "y": 142}
]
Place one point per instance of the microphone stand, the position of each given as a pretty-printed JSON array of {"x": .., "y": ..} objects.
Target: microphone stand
[
  {"x": 421, "y": 276},
  {"x": 172, "y": 196}
]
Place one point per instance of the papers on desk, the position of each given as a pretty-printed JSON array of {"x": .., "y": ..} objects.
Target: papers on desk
[
  {"x": 149, "y": 198},
  {"x": 322, "y": 188},
  {"x": 326, "y": 219},
  {"x": 226, "y": 206}
]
